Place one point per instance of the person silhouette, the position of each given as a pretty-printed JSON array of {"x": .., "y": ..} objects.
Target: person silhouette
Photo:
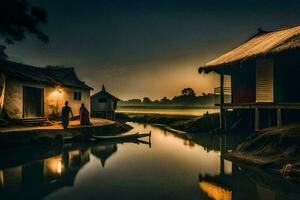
[
  {"x": 65, "y": 115},
  {"x": 84, "y": 115}
]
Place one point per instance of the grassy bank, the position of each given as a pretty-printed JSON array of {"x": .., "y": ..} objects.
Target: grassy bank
[
  {"x": 272, "y": 148},
  {"x": 190, "y": 124},
  {"x": 167, "y": 110}
]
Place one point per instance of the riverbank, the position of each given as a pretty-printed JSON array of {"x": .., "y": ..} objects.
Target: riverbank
[
  {"x": 191, "y": 124},
  {"x": 272, "y": 148},
  {"x": 16, "y": 135},
  {"x": 167, "y": 110}
]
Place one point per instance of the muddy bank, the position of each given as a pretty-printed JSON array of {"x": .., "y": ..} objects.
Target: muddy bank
[
  {"x": 272, "y": 148},
  {"x": 190, "y": 124}
]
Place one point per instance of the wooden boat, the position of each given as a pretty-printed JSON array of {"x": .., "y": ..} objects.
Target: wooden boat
[{"x": 133, "y": 136}]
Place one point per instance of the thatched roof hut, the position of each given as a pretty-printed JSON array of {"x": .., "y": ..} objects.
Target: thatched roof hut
[
  {"x": 261, "y": 44},
  {"x": 263, "y": 71}
]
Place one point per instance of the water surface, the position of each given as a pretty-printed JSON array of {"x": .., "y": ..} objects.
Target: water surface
[
  {"x": 167, "y": 111},
  {"x": 170, "y": 167}
]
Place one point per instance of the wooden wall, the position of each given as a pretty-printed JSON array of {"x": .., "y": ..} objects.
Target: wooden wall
[
  {"x": 286, "y": 77},
  {"x": 264, "y": 79},
  {"x": 13, "y": 100},
  {"x": 108, "y": 105},
  {"x": 267, "y": 79},
  {"x": 243, "y": 83},
  {"x": 67, "y": 94}
]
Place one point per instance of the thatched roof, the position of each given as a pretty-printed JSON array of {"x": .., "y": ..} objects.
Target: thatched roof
[
  {"x": 262, "y": 43},
  {"x": 55, "y": 76},
  {"x": 104, "y": 94}
]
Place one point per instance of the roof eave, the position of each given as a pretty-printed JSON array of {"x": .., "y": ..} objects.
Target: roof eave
[{"x": 215, "y": 68}]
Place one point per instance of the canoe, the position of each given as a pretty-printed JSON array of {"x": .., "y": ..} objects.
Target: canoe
[{"x": 121, "y": 137}]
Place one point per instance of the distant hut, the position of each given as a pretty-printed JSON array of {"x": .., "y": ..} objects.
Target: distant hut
[
  {"x": 103, "y": 104},
  {"x": 37, "y": 92},
  {"x": 264, "y": 74}
]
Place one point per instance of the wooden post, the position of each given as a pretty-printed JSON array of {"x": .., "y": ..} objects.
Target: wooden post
[
  {"x": 225, "y": 119},
  {"x": 279, "y": 122},
  {"x": 269, "y": 118},
  {"x": 223, "y": 149},
  {"x": 256, "y": 119},
  {"x": 222, "y": 111}
]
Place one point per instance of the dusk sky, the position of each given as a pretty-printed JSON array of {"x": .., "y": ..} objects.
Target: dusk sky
[{"x": 148, "y": 48}]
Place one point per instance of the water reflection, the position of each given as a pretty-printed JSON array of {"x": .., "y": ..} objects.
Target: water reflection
[
  {"x": 215, "y": 191},
  {"x": 178, "y": 166},
  {"x": 242, "y": 184},
  {"x": 235, "y": 182},
  {"x": 35, "y": 179},
  {"x": 40, "y": 177},
  {"x": 103, "y": 152}
]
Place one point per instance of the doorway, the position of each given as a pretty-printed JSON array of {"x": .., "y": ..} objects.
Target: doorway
[{"x": 33, "y": 102}]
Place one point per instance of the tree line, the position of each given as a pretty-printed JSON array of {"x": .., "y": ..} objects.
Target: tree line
[{"x": 187, "y": 97}]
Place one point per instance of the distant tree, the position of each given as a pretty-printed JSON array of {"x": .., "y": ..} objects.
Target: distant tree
[
  {"x": 188, "y": 92},
  {"x": 165, "y": 100},
  {"x": 18, "y": 17},
  {"x": 134, "y": 101},
  {"x": 147, "y": 100}
]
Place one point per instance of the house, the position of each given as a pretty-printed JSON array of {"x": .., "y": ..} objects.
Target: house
[
  {"x": 264, "y": 75},
  {"x": 103, "y": 104},
  {"x": 29, "y": 92}
]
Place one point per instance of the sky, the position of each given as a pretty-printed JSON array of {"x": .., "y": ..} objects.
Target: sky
[{"x": 152, "y": 48}]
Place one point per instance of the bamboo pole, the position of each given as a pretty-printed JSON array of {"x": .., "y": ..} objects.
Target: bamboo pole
[
  {"x": 222, "y": 111},
  {"x": 279, "y": 122}
]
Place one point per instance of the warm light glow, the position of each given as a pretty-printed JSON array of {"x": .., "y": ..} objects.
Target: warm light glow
[
  {"x": 215, "y": 192},
  {"x": 227, "y": 167},
  {"x": 57, "y": 92},
  {"x": 54, "y": 165},
  {"x": 1, "y": 179},
  {"x": 59, "y": 168},
  {"x": 55, "y": 98}
]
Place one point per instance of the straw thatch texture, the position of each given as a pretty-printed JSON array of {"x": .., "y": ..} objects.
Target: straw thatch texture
[
  {"x": 51, "y": 76},
  {"x": 261, "y": 44}
]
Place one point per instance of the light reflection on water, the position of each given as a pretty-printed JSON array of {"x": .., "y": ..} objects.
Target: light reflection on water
[
  {"x": 172, "y": 167},
  {"x": 167, "y": 111}
]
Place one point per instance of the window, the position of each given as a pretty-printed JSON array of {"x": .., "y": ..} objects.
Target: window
[{"x": 77, "y": 96}]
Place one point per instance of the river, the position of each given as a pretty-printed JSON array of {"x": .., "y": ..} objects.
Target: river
[{"x": 170, "y": 166}]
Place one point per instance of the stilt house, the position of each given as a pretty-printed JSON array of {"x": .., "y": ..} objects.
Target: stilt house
[{"x": 264, "y": 74}]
